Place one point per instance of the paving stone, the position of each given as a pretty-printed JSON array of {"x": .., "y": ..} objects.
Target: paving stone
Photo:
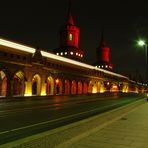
[{"x": 131, "y": 131}]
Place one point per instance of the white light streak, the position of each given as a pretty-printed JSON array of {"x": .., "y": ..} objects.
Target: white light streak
[
  {"x": 16, "y": 46},
  {"x": 63, "y": 59}
]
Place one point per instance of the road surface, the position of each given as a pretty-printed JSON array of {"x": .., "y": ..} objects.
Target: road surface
[{"x": 22, "y": 117}]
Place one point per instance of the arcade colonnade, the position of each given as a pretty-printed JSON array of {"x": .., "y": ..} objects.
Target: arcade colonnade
[{"x": 30, "y": 83}]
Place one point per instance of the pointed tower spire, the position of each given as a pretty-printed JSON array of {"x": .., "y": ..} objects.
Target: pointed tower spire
[
  {"x": 102, "y": 41},
  {"x": 102, "y": 34},
  {"x": 69, "y": 17},
  {"x": 69, "y": 39}
]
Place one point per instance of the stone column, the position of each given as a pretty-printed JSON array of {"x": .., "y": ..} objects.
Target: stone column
[
  {"x": 63, "y": 87},
  {"x": 28, "y": 88},
  {"x": 82, "y": 87},
  {"x": 43, "y": 88},
  {"x": 9, "y": 92}
]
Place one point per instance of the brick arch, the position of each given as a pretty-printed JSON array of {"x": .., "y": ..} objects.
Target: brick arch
[
  {"x": 85, "y": 88},
  {"x": 102, "y": 87},
  {"x": 58, "y": 86},
  {"x": 80, "y": 88},
  {"x": 19, "y": 83},
  {"x": 98, "y": 86},
  {"x": 67, "y": 87},
  {"x": 73, "y": 87},
  {"x": 50, "y": 85},
  {"x": 114, "y": 87},
  {"x": 3, "y": 83},
  {"x": 36, "y": 84},
  {"x": 90, "y": 87}
]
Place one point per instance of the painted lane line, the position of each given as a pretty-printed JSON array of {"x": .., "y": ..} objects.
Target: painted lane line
[{"x": 59, "y": 119}]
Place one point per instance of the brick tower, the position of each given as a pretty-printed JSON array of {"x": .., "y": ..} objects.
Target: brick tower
[
  {"x": 103, "y": 53},
  {"x": 69, "y": 40}
]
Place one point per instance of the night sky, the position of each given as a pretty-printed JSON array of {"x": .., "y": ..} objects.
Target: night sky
[{"x": 38, "y": 23}]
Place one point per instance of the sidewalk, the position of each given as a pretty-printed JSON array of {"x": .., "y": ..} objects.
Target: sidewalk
[{"x": 130, "y": 131}]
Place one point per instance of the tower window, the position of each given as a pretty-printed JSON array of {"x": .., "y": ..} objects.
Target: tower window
[{"x": 70, "y": 36}]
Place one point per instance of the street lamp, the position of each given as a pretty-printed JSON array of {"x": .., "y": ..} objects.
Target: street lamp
[{"x": 144, "y": 44}]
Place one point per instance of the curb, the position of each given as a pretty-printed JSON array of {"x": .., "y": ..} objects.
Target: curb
[{"x": 64, "y": 136}]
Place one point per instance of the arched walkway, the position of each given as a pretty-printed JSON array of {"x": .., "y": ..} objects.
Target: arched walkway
[
  {"x": 80, "y": 87},
  {"x": 3, "y": 84},
  {"x": 50, "y": 86},
  {"x": 73, "y": 87},
  {"x": 58, "y": 86},
  {"x": 36, "y": 85},
  {"x": 67, "y": 87},
  {"x": 18, "y": 84}
]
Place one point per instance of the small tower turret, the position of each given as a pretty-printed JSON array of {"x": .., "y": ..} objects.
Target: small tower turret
[{"x": 103, "y": 55}]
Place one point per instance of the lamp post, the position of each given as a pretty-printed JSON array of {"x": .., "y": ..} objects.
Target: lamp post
[{"x": 144, "y": 44}]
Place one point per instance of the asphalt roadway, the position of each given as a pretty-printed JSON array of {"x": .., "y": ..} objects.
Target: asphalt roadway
[{"x": 22, "y": 117}]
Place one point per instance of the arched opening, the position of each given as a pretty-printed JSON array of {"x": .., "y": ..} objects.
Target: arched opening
[
  {"x": 36, "y": 85},
  {"x": 73, "y": 87},
  {"x": 98, "y": 87},
  {"x": 3, "y": 84},
  {"x": 114, "y": 88},
  {"x": 102, "y": 88},
  {"x": 58, "y": 86},
  {"x": 90, "y": 87},
  {"x": 50, "y": 86},
  {"x": 125, "y": 88},
  {"x": 136, "y": 89},
  {"x": 85, "y": 88},
  {"x": 18, "y": 84},
  {"x": 67, "y": 87},
  {"x": 79, "y": 87},
  {"x": 94, "y": 87}
]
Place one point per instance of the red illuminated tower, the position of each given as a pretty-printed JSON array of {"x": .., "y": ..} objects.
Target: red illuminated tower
[
  {"x": 69, "y": 40},
  {"x": 103, "y": 54}
]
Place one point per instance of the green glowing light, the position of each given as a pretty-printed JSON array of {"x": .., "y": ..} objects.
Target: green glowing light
[
  {"x": 70, "y": 37},
  {"x": 141, "y": 43}
]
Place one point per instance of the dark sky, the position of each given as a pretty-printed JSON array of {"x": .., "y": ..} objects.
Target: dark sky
[{"x": 37, "y": 23}]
